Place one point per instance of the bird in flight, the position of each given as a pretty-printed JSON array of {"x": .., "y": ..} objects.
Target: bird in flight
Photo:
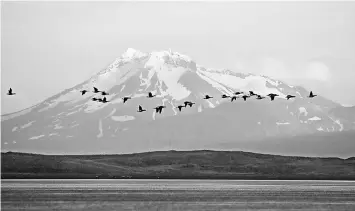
[
  {"x": 100, "y": 100},
  {"x": 10, "y": 92},
  {"x": 207, "y": 97},
  {"x": 252, "y": 93},
  {"x": 96, "y": 90},
  {"x": 140, "y": 109},
  {"x": 180, "y": 107},
  {"x": 94, "y": 99},
  {"x": 225, "y": 96},
  {"x": 186, "y": 103},
  {"x": 83, "y": 91},
  {"x": 233, "y": 98},
  {"x": 259, "y": 97},
  {"x": 272, "y": 96},
  {"x": 104, "y": 93},
  {"x": 311, "y": 95},
  {"x": 104, "y": 100},
  {"x": 190, "y": 104},
  {"x": 238, "y": 93},
  {"x": 245, "y": 97},
  {"x": 159, "y": 109},
  {"x": 125, "y": 99},
  {"x": 150, "y": 95},
  {"x": 290, "y": 96}
]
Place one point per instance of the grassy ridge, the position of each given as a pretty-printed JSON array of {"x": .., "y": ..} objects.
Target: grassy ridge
[{"x": 175, "y": 165}]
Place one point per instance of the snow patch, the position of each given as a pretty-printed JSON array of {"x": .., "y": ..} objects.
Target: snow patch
[
  {"x": 320, "y": 129},
  {"x": 93, "y": 106},
  {"x": 173, "y": 108},
  {"x": 124, "y": 86},
  {"x": 14, "y": 129},
  {"x": 251, "y": 82},
  {"x": 14, "y": 142},
  {"x": 214, "y": 83},
  {"x": 315, "y": 118},
  {"x": 167, "y": 76},
  {"x": 303, "y": 110},
  {"x": 111, "y": 113},
  {"x": 53, "y": 134},
  {"x": 36, "y": 137},
  {"x": 100, "y": 130},
  {"x": 122, "y": 118},
  {"x": 211, "y": 104},
  {"x": 57, "y": 126},
  {"x": 73, "y": 112},
  {"x": 76, "y": 125},
  {"x": 341, "y": 125},
  {"x": 153, "y": 115},
  {"x": 282, "y": 123},
  {"x": 27, "y": 125},
  {"x": 5, "y": 143},
  {"x": 199, "y": 108}
]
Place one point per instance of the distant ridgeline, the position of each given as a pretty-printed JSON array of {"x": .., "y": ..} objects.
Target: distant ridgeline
[{"x": 175, "y": 165}]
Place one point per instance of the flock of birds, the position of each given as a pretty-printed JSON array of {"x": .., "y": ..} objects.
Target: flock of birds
[{"x": 159, "y": 109}]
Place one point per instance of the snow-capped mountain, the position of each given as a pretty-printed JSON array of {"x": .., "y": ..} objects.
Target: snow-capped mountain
[{"x": 70, "y": 122}]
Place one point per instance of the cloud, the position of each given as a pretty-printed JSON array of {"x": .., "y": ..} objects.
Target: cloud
[
  {"x": 317, "y": 71},
  {"x": 274, "y": 68},
  {"x": 279, "y": 69}
]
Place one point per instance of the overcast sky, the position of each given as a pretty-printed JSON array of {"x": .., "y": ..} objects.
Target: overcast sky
[{"x": 51, "y": 46}]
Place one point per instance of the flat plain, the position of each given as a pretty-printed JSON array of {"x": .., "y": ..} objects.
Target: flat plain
[{"x": 158, "y": 194}]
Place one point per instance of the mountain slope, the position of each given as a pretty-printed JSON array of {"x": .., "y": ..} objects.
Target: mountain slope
[{"x": 72, "y": 123}]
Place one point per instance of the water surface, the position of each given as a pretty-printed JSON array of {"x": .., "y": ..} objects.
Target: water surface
[{"x": 177, "y": 195}]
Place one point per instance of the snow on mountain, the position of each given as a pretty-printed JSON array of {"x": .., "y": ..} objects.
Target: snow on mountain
[{"x": 71, "y": 122}]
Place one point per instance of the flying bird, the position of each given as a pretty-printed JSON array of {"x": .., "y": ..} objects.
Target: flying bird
[
  {"x": 104, "y": 100},
  {"x": 190, "y": 104},
  {"x": 150, "y": 95},
  {"x": 252, "y": 93},
  {"x": 159, "y": 109},
  {"x": 100, "y": 100},
  {"x": 259, "y": 97},
  {"x": 140, "y": 109},
  {"x": 96, "y": 90},
  {"x": 104, "y": 93},
  {"x": 180, "y": 107},
  {"x": 311, "y": 95},
  {"x": 10, "y": 92},
  {"x": 94, "y": 99},
  {"x": 290, "y": 96},
  {"x": 233, "y": 98},
  {"x": 83, "y": 91},
  {"x": 125, "y": 99},
  {"x": 238, "y": 93},
  {"x": 225, "y": 96},
  {"x": 272, "y": 96},
  {"x": 187, "y": 103},
  {"x": 207, "y": 97},
  {"x": 245, "y": 97}
]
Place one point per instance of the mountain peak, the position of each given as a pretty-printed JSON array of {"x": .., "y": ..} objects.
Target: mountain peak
[{"x": 133, "y": 53}]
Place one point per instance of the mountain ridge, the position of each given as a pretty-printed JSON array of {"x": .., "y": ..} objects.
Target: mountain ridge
[{"x": 199, "y": 164}]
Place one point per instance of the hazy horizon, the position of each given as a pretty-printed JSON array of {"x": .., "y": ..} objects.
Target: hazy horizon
[{"x": 48, "y": 47}]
